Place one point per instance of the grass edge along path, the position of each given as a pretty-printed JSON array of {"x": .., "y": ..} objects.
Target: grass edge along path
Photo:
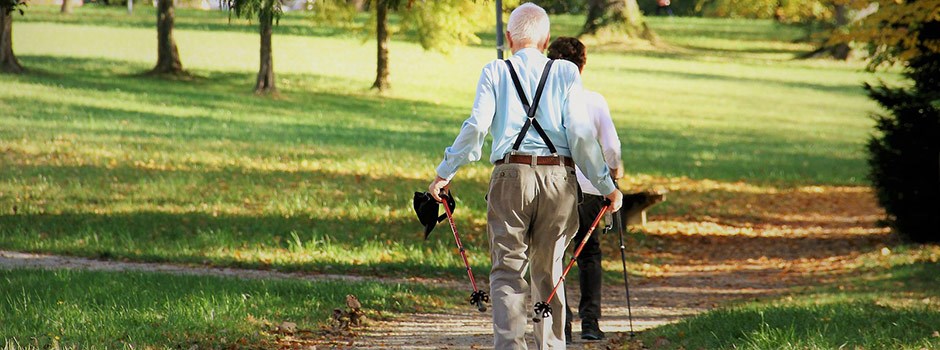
[
  {"x": 134, "y": 309},
  {"x": 892, "y": 303}
]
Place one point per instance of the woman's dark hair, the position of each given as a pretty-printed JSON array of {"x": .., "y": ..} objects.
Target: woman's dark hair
[{"x": 568, "y": 49}]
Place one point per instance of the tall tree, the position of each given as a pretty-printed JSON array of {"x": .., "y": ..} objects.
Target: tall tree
[
  {"x": 904, "y": 154},
  {"x": 8, "y": 61},
  {"x": 616, "y": 20},
  {"x": 381, "y": 36},
  {"x": 66, "y": 7},
  {"x": 168, "y": 57},
  {"x": 268, "y": 13},
  {"x": 439, "y": 25}
]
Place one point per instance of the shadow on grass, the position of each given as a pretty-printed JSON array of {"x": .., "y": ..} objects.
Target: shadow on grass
[
  {"x": 219, "y": 106},
  {"x": 263, "y": 241},
  {"x": 846, "y": 89},
  {"x": 314, "y": 112},
  {"x": 352, "y": 205}
]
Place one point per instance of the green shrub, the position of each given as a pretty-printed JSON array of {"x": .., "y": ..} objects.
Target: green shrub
[{"x": 904, "y": 153}]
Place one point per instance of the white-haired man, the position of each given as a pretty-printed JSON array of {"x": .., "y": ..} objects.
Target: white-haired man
[{"x": 533, "y": 193}]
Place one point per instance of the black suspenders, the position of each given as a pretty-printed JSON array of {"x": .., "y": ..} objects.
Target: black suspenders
[{"x": 530, "y": 109}]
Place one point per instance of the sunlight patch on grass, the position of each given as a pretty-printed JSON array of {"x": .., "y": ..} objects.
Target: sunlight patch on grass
[{"x": 152, "y": 310}]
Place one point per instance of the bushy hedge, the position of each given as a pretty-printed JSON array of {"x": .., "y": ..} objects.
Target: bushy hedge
[{"x": 904, "y": 153}]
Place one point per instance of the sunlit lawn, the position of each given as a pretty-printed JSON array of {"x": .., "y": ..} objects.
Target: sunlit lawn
[
  {"x": 133, "y": 310},
  {"x": 97, "y": 161}
]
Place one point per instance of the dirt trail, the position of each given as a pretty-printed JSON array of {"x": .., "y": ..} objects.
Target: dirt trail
[
  {"x": 762, "y": 243},
  {"x": 771, "y": 240}
]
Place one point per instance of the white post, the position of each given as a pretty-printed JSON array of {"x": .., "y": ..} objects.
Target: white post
[{"x": 130, "y": 6}]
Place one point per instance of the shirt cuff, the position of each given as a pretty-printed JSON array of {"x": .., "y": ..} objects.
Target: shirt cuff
[
  {"x": 445, "y": 171},
  {"x": 606, "y": 187}
]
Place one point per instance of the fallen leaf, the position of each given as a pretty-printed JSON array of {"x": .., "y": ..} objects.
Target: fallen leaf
[
  {"x": 287, "y": 327},
  {"x": 661, "y": 342}
]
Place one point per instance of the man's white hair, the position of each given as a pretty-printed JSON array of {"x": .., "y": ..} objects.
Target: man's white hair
[{"x": 528, "y": 24}]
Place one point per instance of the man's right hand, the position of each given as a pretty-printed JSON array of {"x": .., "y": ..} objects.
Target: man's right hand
[
  {"x": 437, "y": 186},
  {"x": 616, "y": 200}
]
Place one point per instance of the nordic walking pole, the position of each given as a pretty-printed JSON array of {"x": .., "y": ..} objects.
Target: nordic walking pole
[
  {"x": 478, "y": 297},
  {"x": 618, "y": 221},
  {"x": 542, "y": 308}
]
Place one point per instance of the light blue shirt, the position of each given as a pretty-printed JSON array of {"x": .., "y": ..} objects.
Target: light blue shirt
[{"x": 561, "y": 112}]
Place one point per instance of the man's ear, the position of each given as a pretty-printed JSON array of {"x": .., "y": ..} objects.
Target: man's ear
[
  {"x": 508, "y": 41},
  {"x": 544, "y": 45}
]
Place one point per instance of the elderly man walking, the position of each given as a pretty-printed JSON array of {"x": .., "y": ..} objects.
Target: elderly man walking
[{"x": 533, "y": 193}]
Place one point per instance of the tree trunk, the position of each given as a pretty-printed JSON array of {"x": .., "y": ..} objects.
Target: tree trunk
[
  {"x": 66, "y": 8},
  {"x": 265, "y": 82},
  {"x": 8, "y": 62},
  {"x": 616, "y": 20},
  {"x": 381, "y": 34},
  {"x": 839, "y": 51},
  {"x": 168, "y": 57},
  {"x": 358, "y": 4},
  {"x": 779, "y": 14}
]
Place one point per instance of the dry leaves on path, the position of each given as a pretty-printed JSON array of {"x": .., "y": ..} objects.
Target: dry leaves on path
[{"x": 714, "y": 243}]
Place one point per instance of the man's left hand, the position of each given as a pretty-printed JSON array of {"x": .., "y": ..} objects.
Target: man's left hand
[
  {"x": 616, "y": 173},
  {"x": 439, "y": 184}
]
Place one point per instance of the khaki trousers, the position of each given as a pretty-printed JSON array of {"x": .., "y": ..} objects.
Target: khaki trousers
[{"x": 532, "y": 212}]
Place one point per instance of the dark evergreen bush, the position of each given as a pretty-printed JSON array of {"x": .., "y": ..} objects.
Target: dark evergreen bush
[{"x": 904, "y": 153}]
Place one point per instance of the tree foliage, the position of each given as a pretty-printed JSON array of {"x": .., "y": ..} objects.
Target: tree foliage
[
  {"x": 9, "y": 6},
  {"x": 562, "y": 6},
  {"x": 615, "y": 20},
  {"x": 898, "y": 31},
  {"x": 904, "y": 154},
  {"x": 791, "y": 11},
  {"x": 334, "y": 12},
  {"x": 439, "y": 25},
  {"x": 784, "y": 11},
  {"x": 442, "y": 25},
  {"x": 262, "y": 10}
]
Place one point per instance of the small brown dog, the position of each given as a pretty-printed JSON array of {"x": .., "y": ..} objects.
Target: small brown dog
[{"x": 635, "y": 205}]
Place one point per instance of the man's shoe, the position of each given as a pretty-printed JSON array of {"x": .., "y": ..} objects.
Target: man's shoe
[
  {"x": 567, "y": 333},
  {"x": 591, "y": 331}
]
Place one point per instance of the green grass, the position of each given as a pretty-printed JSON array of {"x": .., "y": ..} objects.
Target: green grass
[
  {"x": 895, "y": 304},
  {"x": 133, "y": 310},
  {"x": 101, "y": 162}
]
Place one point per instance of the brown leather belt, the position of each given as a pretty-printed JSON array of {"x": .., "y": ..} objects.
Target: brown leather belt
[{"x": 543, "y": 160}]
